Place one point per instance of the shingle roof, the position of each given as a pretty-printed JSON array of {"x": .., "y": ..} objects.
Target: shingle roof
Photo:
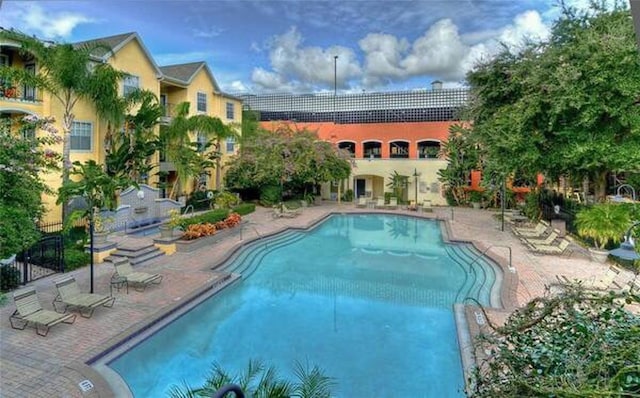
[
  {"x": 182, "y": 72},
  {"x": 111, "y": 42}
]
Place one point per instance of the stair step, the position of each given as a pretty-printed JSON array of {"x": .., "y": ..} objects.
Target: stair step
[
  {"x": 146, "y": 257},
  {"x": 136, "y": 253},
  {"x": 134, "y": 247}
]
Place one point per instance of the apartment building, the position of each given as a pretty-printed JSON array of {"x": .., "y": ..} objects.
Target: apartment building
[
  {"x": 192, "y": 82},
  {"x": 386, "y": 133}
]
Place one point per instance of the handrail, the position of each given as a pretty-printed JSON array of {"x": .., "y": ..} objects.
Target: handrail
[
  {"x": 186, "y": 210},
  {"x": 224, "y": 390},
  {"x": 511, "y": 268}
]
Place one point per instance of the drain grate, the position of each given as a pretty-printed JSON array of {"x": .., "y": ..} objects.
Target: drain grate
[{"x": 85, "y": 385}]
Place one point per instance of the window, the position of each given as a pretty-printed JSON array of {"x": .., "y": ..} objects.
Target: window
[
  {"x": 29, "y": 134},
  {"x": 231, "y": 144},
  {"x": 201, "y": 102},
  {"x": 201, "y": 140},
  {"x": 81, "y": 136},
  {"x": 130, "y": 83},
  {"x": 229, "y": 110}
]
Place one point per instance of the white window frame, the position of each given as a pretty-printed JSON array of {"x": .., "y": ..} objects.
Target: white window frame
[
  {"x": 90, "y": 135},
  {"x": 127, "y": 85},
  {"x": 230, "y": 111},
  {"x": 198, "y": 98},
  {"x": 231, "y": 141},
  {"x": 201, "y": 140}
]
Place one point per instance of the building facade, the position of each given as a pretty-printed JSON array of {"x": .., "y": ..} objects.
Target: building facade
[
  {"x": 387, "y": 134},
  {"x": 193, "y": 82}
]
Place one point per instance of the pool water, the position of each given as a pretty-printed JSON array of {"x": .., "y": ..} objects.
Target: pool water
[{"x": 367, "y": 298}]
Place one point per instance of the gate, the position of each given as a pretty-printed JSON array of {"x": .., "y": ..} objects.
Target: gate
[{"x": 44, "y": 258}]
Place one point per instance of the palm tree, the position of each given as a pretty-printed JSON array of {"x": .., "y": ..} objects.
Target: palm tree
[{"x": 68, "y": 73}]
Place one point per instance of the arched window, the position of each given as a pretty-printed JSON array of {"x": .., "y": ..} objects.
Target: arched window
[
  {"x": 372, "y": 149},
  {"x": 428, "y": 149},
  {"x": 399, "y": 150},
  {"x": 348, "y": 146}
]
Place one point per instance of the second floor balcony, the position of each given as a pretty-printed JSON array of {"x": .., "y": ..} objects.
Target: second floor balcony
[{"x": 19, "y": 93}]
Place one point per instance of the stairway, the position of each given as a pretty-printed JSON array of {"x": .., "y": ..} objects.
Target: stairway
[{"x": 136, "y": 252}]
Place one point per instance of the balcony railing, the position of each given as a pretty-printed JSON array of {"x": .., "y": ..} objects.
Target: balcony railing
[{"x": 19, "y": 93}]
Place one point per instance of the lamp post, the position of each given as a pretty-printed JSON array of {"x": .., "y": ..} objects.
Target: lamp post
[
  {"x": 627, "y": 249},
  {"x": 335, "y": 85}
]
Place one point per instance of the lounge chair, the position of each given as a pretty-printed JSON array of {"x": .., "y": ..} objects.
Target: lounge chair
[
  {"x": 28, "y": 310},
  {"x": 561, "y": 248},
  {"x": 546, "y": 241},
  {"x": 606, "y": 282},
  {"x": 537, "y": 231},
  {"x": 380, "y": 203},
  {"x": 70, "y": 296},
  {"x": 393, "y": 204},
  {"x": 362, "y": 202},
  {"x": 426, "y": 206},
  {"x": 140, "y": 280}
]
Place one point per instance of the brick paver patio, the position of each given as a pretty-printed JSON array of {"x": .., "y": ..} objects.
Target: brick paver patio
[{"x": 53, "y": 366}]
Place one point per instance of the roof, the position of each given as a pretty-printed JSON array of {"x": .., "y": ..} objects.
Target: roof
[
  {"x": 116, "y": 43},
  {"x": 185, "y": 73}
]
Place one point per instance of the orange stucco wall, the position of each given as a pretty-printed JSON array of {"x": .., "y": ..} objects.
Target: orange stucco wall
[{"x": 382, "y": 132}]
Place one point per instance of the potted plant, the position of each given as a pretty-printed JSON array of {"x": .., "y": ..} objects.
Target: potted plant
[
  {"x": 175, "y": 221},
  {"x": 603, "y": 223},
  {"x": 475, "y": 197},
  {"x": 101, "y": 227}
]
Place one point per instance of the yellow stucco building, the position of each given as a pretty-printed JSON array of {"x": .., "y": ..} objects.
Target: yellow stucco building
[{"x": 172, "y": 84}]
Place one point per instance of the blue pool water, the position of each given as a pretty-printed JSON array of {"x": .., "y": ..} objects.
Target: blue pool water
[{"x": 368, "y": 298}]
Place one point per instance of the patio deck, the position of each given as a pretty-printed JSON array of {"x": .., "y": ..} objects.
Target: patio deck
[{"x": 54, "y": 366}]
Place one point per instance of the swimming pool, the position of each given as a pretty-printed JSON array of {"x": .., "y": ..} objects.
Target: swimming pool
[{"x": 368, "y": 298}]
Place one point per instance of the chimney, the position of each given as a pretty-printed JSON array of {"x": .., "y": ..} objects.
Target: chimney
[{"x": 436, "y": 85}]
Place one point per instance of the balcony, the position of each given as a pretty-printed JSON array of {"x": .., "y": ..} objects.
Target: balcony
[
  {"x": 168, "y": 113},
  {"x": 19, "y": 93}
]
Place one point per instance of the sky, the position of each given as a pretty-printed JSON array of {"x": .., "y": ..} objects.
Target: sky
[{"x": 264, "y": 46}]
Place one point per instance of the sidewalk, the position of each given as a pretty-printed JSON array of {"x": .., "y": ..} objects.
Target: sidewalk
[{"x": 53, "y": 366}]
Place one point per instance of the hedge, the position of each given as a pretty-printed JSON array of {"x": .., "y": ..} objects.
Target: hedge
[{"x": 245, "y": 208}]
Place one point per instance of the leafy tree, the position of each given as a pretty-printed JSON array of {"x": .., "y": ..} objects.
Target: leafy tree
[
  {"x": 65, "y": 72},
  {"x": 398, "y": 184},
  {"x": 462, "y": 154},
  {"x": 295, "y": 160},
  {"x": 603, "y": 223},
  {"x": 261, "y": 382},
  {"x": 565, "y": 106},
  {"x": 577, "y": 343},
  {"x": 22, "y": 162}
]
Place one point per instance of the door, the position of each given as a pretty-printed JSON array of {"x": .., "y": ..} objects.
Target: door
[
  {"x": 361, "y": 185},
  {"x": 29, "y": 91}
]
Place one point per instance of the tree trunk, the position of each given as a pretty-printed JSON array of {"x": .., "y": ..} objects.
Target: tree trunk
[
  {"x": 67, "y": 122},
  {"x": 600, "y": 188},
  {"x": 585, "y": 187}
]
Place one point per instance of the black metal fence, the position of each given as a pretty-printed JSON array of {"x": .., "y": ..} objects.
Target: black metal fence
[
  {"x": 568, "y": 215},
  {"x": 44, "y": 258}
]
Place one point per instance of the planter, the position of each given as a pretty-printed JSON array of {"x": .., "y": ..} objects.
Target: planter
[
  {"x": 191, "y": 245},
  {"x": 166, "y": 231},
  {"x": 475, "y": 205},
  {"x": 599, "y": 256},
  {"x": 100, "y": 238}
]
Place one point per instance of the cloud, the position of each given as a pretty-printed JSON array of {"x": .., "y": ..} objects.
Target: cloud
[
  {"x": 31, "y": 19},
  {"x": 207, "y": 33},
  {"x": 305, "y": 66}
]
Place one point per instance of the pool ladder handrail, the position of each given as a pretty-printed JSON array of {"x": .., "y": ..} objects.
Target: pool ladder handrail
[
  {"x": 511, "y": 268},
  {"x": 227, "y": 388},
  {"x": 254, "y": 230},
  {"x": 186, "y": 211}
]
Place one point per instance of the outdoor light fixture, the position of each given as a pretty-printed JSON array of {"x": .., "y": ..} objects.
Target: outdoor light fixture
[
  {"x": 140, "y": 194},
  {"x": 627, "y": 249}
]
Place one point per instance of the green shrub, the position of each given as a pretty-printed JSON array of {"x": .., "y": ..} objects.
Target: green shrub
[
  {"x": 348, "y": 195},
  {"x": 226, "y": 200},
  {"x": 245, "y": 208},
  {"x": 387, "y": 196},
  {"x": 9, "y": 278},
  {"x": 209, "y": 217},
  {"x": 270, "y": 195},
  {"x": 75, "y": 258}
]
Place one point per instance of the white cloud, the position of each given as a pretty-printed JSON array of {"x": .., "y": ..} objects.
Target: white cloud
[
  {"x": 207, "y": 33},
  {"x": 305, "y": 66},
  {"x": 236, "y": 86},
  {"x": 30, "y": 18},
  {"x": 527, "y": 25}
]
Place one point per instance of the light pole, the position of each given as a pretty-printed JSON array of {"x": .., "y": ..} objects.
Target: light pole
[
  {"x": 335, "y": 85},
  {"x": 627, "y": 249}
]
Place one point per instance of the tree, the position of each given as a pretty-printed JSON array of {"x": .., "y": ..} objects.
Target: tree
[
  {"x": 462, "y": 154},
  {"x": 261, "y": 382},
  {"x": 290, "y": 159},
  {"x": 22, "y": 161},
  {"x": 565, "y": 106},
  {"x": 577, "y": 343},
  {"x": 68, "y": 74}
]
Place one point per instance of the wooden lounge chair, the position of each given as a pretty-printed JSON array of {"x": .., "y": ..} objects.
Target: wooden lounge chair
[
  {"x": 426, "y": 206},
  {"x": 28, "y": 310},
  {"x": 393, "y": 204},
  {"x": 69, "y": 296},
  {"x": 362, "y": 202},
  {"x": 140, "y": 280},
  {"x": 561, "y": 248},
  {"x": 546, "y": 241}
]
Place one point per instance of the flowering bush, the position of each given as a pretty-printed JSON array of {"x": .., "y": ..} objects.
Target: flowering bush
[
  {"x": 175, "y": 220},
  {"x": 195, "y": 231},
  {"x": 232, "y": 220}
]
